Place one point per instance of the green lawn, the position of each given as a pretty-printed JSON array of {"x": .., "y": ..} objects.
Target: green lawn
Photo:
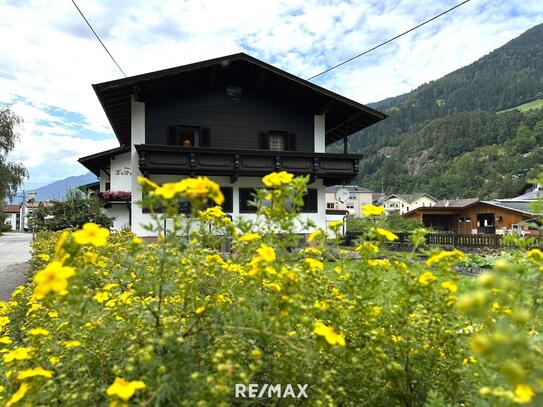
[{"x": 534, "y": 104}]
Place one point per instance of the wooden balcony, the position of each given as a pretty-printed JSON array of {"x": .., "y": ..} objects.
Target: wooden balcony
[{"x": 164, "y": 159}]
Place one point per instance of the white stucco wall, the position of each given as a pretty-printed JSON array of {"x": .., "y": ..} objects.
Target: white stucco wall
[
  {"x": 320, "y": 133},
  {"x": 121, "y": 173},
  {"x": 104, "y": 179},
  {"x": 121, "y": 215},
  {"x": 138, "y": 137},
  {"x": 11, "y": 219}
]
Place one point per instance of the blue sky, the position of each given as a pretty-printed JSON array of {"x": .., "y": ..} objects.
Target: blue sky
[{"x": 49, "y": 58}]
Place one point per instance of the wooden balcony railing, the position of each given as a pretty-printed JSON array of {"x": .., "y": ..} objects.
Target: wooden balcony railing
[{"x": 163, "y": 159}]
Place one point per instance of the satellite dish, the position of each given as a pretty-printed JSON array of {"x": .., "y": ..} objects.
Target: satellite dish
[{"x": 342, "y": 195}]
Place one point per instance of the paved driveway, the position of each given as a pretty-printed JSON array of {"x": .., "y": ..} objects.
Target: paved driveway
[{"x": 14, "y": 253}]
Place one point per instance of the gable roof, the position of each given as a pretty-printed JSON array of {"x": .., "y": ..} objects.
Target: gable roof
[
  {"x": 407, "y": 197},
  {"x": 350, "y": 188},
  {"x": 12, "y": 208},
  {"x": 523, "y": 207},
  {"x": 95, "y": 162},
  {"x": 456, "y": 203},
  {"x": 343, "y": 116}
]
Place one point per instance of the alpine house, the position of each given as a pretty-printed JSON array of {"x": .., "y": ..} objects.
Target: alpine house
[{"x": 233, "y": 119}]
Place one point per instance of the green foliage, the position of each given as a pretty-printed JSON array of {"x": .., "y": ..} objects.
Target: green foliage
[
  {"x": 447, "y": 128},
  {"x": 394, "y": 222},
  {"x": 76, "y": 210},
  {"x": 183, "y": 323},
  {"x": 11, "y": 174}
]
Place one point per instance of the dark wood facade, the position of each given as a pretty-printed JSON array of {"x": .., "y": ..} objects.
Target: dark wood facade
[{"x": 230, "y": 121}]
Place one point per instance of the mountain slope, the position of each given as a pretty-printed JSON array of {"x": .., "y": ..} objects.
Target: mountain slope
[
  {"x": 428, "y": 126},
  {"x": 57, "y": 190}
]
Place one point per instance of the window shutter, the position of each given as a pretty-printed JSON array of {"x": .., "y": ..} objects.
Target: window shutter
[
  {"x": 311, "y": 201},
  {"x": 291, "y": 142},
  {"x": 172, "y": 136},
  {"x": 263, "y": 143},
  {"x": 204, "y": 138}
]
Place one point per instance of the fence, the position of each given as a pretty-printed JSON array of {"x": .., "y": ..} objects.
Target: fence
[{"x": 479, "y": 241}]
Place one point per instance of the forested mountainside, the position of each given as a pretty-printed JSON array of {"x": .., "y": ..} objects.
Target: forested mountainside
[{"x": 452, "y": 139}]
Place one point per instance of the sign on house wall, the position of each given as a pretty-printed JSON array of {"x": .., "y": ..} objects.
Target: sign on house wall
[{"x": 121, "y": 174}]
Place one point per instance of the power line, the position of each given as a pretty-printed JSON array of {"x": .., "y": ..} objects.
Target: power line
[
  {"x": 387, "y": 41},
  {"x": 96, "y": 35}
]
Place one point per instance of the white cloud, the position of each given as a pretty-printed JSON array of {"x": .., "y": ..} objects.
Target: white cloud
[{"x": 49, "y": 58}]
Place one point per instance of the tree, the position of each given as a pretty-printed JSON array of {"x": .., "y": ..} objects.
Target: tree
[
  {"x": 11, "y": 174},
  {"x": 74, "y": 212}
]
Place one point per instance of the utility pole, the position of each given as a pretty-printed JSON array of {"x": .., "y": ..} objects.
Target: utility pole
[{"x": 23, "y": 212}]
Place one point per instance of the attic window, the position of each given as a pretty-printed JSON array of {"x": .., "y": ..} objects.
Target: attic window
[{"x": 188, "y": 136}]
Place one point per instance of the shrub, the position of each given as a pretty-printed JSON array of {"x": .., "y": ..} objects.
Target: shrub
[{"x": 176, "y": 322}]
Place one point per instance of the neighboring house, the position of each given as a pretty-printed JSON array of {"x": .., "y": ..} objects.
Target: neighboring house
[
  {"x": 358, "y": 197},
  {"x": 12, "y": 213},
  {"x": 473, "y": 216},
  {"x": 403, "y": 203},
  {"x": 233, "y": 119},
  {"x": 28, "y": 206}
]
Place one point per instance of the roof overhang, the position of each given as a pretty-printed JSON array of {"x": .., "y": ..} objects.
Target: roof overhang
[
  {"x": 101, "y": 160},
  {"x": 343, "y": 116}
]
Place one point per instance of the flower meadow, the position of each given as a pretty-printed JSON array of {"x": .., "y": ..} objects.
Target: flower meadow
[{"x": 107, "y": 319}]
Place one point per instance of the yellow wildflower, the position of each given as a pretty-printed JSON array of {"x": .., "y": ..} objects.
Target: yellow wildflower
[
  {"x": 146, "y": 183},
  {"x": 249, "y": 237},
  {"x": 101, "y": 296},
  {"x": 524, "y": 392},
  {"x": 386, "y": 234},
  {"x": 367, "y": 247},
  {"x": 44, "y": 257},
  {"x": 54, "y": 278},
  {"x": 53, "y": 314},
  {"x": 72, "y": 344},
  {"x": 437, "y": 258},
  {"x": 137, "y": 240},
  {"x": 375, "y": 311},
  {"x": 18, "y": 395},
  {"x": 372, "y": 210},
  {"x": 37, "y": 371},
  {"x": 4, "y": 321},
  {"x": 535, "y": 255},
  {"x": 315, "y": 234},
  {"x": 169, "y": 190},
  {"x": 329, "y": 333},
  {"x": 202, "y": 188},
  {"x": 18, "y": 354},
  {"x": 323, "y": 305},
  {"x": 5, "y": 340},
  {"x": 110, "y": 286},
  {"x": 335, "y": 224},
  {"x": 450, "y": 285},
  {"x": 54, "y": 360},
  {"x": 427, "y": 278},
  {"x": 274, "y": 286},
  {"x": 199, "y": 310},
  {"x": 92, "y": 234},
  {"x": 256, "y": 353},
  {"x": 276, "y": 179},
  {"x": 124, "y": 389},
  {"x": 266, "y": 253},
  {"x": 38, "y": 332},
  {"x": 314, "y": 264},
  {"x": 379, "y": 263}
]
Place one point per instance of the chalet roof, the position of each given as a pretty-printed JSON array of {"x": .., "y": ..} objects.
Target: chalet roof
[
  {"x": 455, "y": 203},
  {"x": 101, "y": 160},
  {"x": 407, "y": 197},
  {"x": 528, "y": 196},
  {"x": 350, "y": 188},
  {"x": 12, "y": 208},
  {"x": 343, "y": 116},
  {"x": 524, "y": 207}
]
